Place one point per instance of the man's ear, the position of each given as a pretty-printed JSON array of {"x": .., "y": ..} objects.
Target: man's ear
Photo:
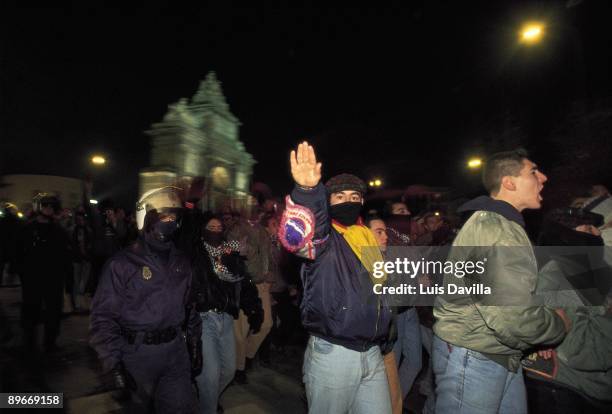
[{"x": 508, "y": 183}]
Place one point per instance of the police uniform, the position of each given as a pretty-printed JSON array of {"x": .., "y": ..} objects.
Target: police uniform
[
  {"x": 44, "y": 261},
  {"x": 137, "y": 321}
]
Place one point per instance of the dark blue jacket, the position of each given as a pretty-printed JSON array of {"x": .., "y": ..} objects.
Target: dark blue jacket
[
  {"x": 139, "y": 292},
  {"x": 339, "y": 304}
]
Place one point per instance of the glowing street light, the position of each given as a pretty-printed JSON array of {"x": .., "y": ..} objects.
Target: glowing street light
[
  {"x": 375, "y": 183},
  {"x": 98, "y": 160},
  {"x": 474, "y": 163},
  {"x": 92, "y": 201},
  {"x": 532, "y": 33}
]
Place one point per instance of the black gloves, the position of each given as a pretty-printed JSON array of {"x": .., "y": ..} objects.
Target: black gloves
[
  {"x": 194, "y": 346},
  {"x": 255, "y": 319},
  {"x": 251, "y": 304},
  {"x": 123, "y": 382}
]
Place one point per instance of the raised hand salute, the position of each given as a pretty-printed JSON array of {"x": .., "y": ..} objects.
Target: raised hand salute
[{"x": 305, "y": 169}]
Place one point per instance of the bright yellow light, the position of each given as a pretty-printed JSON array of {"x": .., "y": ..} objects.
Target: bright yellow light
[
  {"x": 98, "y": 160},
  {"x": 532, "y": 33},
  {"x": 20, "y": 214},
  {"x": 437, "y": 213},
  {"x": 474, "y": 163},
  {"x": 371, "y": 183},
  {"x": 377, "y": 183}
]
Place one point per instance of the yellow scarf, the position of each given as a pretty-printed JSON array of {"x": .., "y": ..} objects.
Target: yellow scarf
[{"x": 364, "y": 245}]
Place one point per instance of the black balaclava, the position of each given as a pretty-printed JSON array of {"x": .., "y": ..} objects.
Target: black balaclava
[
  {"x": 346, "y": 213},
  {"x": 214, "y": 238},
  {"x": 399, "y": 222},
  {"x": 160, "y": 235}
]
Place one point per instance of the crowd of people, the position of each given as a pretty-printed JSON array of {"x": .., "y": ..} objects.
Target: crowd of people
[{"x": 183, "y": 301}]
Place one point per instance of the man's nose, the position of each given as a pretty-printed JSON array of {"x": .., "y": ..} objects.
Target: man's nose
[{"x": 542, "y": 177}]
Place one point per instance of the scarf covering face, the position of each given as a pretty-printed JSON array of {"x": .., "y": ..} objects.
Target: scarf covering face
[
  {"x": 214, "y": 238},
  {"x": 216, "y": 253},
  {"x": 345, "y": 213},
  {"x": 362, "y": 242}
]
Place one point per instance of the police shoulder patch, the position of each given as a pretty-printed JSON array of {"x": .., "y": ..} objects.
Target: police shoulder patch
[{"x": 146, "y": 273}]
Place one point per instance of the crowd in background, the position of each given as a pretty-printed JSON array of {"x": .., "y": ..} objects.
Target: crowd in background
[{"x": 64, "y": 277}]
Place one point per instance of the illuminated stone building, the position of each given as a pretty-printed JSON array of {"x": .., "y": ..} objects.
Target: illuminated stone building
[{"x": 200, "y": 138}]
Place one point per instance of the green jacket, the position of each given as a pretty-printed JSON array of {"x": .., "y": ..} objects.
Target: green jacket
[
  {"x": 584, "y": 357},
  {"x": 480, "y": 322}
]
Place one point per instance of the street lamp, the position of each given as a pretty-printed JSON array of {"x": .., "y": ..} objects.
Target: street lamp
[
  {"x": 531, "y": 33},
  {"x": 375, "y": 183},
  {"x": 474, "y": 163},
  {"x": 98, "y": 160}
]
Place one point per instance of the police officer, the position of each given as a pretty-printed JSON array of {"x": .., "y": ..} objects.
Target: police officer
[
  {"x": 43, "y": 260},
  {"x": 140, "y": 308}
]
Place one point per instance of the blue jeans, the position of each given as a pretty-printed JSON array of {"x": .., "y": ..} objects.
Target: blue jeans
[
  {"x": 339, "y": 380},
  {"x": 219, "y": 358},
  {"x": 469, "y": 382},
  {"x": 407, "y": 349}
]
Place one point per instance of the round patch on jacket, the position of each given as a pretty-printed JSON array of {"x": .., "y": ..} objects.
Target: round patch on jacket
[{"x": 296, "y": 227}]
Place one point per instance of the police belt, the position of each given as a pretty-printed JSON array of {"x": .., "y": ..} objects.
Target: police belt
[{"x": 160, "y": 336}]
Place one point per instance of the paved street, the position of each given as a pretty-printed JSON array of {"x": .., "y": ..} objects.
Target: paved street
[{"x": 75, "y": 371}]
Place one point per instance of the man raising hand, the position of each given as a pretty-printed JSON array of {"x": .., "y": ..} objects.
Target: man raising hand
[{"x": 343, "y": 364}]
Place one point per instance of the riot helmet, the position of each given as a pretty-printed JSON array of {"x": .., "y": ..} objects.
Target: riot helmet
[
  {"x": 42, "y": 200},
  {"x": 158, "y": 213}
]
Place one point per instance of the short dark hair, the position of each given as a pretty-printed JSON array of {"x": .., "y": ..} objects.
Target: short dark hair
[
  {"x": 207, "y": 216},
  {"x": 370, "y": 218},
  {"x": 500, "y": 165}
]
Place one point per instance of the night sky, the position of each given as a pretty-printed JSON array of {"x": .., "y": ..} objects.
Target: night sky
[{"x": 401, "y": 92}]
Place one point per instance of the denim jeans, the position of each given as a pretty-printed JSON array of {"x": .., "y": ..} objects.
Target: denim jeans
[
  {"x": 407, "y": 349},
  {"x": 219, "y": 358},
  {"x": 469, "y": 382},
  {"x": 339, "y": 380}
]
